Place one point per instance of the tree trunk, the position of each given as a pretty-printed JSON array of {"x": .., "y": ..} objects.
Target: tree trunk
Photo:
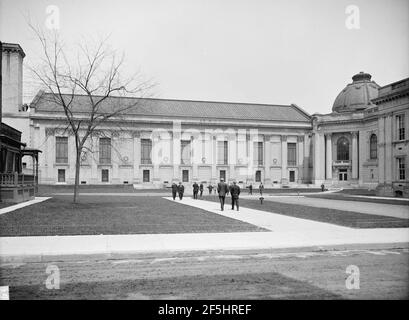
[{"x": 77, "y": 174}]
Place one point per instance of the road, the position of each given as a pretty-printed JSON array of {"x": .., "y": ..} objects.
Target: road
[{"x": 280, "y": 274}]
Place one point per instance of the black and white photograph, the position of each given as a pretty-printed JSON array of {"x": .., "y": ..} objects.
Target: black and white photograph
[{"x": 204, "y": 154}]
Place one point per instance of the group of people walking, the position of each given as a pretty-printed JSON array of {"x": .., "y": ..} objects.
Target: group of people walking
[
  {"x": 260, "y": 188},
  {"x": 178, "y": 190},
  {"x": 223, "y": 190}
]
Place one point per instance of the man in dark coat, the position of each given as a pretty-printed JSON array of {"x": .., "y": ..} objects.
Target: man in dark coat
[
  {"x": 251, "y": 189},
  {"x": 201, "y": 189},
  {"x": 235, "y": 192},
  {"x": 210, "y": 187},
  {"x": 195, "y": 190},
  {"x": 261, "y": 188},
  {"x": 181, "y": 190},
  {"x": 174, "y": 190},
  {"x": 222, "y": 190}
]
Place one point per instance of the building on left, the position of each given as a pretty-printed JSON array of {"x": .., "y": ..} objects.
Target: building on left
[{"x": 17, "y": 181}]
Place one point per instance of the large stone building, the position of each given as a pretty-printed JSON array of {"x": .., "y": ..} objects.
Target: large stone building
[{"x": 362, "y": 142}]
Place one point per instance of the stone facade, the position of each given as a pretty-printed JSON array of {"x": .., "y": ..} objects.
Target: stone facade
[
  {"x": 361, "y": 143},
  {"x": 372, "y": 125}
]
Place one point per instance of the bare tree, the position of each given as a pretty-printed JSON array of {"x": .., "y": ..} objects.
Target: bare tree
[{"x": 94, "y": 71}]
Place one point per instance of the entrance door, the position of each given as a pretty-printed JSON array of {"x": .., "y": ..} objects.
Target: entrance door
[
  {"x": 343, "y": 175},
  {"x": 223, "y": 175},
  {"x": 185, "y": 175},
  {"x": 61, "y": 175},
  {"x": 292, "y": 176},
  {"x": 146, "y": 176}
]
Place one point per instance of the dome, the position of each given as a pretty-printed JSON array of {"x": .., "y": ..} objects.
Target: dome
[{"x": 356, "y": 95}]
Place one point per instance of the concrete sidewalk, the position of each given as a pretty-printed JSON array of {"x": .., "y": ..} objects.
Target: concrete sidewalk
[
  {"x": 286, "y": 232},
  {"x": 23, "y": 204}
]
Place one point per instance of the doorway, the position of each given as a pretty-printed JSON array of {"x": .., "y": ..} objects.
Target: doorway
[
  {"x": 185, "y": 175},
  {"x": 292, "y": 176},
  {"x": 343, "y": 175},
  {"x": 223, "y": 175}
]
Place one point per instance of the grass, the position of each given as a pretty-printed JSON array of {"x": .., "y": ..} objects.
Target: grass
[
  {"x": 337, "y": 217},
  {"x": 347, "y": 197},
  {"x": 95, "y": 215}
]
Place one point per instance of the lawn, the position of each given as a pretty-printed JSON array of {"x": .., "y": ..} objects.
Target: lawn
[
  {"x": 114, "y": 215},
  {"x": 338, "y": 217},
  {"x": 347, "y": 197}
]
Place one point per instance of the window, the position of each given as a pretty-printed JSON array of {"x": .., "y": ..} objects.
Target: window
[
  {"x": 105, "y": 151},
  {"x": 185, "y": 175},
  {"x": 222, "y": 152},
  {"x": 146, "y": 151},
  {"x": 400, "y": 121},
  {"x": 291, "y": 154},
  {"x": 401, "y": 169},
  {"x": 342, "y": 149},
  {"x": 105, "y": 175},
  {"x": 258, "y": 176},
  {"x": 185, "y": 151},
  {"x": 61, "y": 175},
  {"x": 258, "y": 153},
  {"x": 373, "y": 147},
  {"x": 61, "y": 149},
  {"x": 146, "y": 176}
]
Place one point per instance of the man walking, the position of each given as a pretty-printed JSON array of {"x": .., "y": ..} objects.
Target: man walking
[
  {"x": 195, "y": 190},
  {"x": 251, "y": 189},
  {"x": 261, "y": 188},
  {"x": 174, "y": 190},
  {"x": 210, "y": 187},
  {"x": 181, "y": 190},
  {"x": 201, "y": 189},
  {"x": 222, "y": 190},
  {"x": 235, "y": 192}
]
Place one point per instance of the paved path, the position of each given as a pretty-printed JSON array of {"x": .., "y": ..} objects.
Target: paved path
[
  {"x": 397, "y": 211},
  {"x": 23, "y": 204},
  {"x": 286, "y": 232},
  {"x": 119, "y": 194}
]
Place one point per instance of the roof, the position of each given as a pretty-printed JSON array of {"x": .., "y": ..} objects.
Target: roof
[
  {"x": 43, "y": 102},
  {"x": 356, "y": 95}
]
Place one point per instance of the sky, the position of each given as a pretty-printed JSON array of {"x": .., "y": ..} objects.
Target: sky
[{"x": 264, "y": 51}]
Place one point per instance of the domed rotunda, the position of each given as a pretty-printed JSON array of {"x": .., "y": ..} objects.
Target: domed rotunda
[{"x": 357, "y": 95}]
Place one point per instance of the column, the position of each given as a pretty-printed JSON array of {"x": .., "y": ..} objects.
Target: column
[
  {"x": 176, "y": 135},
  {"x": 156, "y": 145},
  {"x": 284, "y": 178},
  {"x": 319, "y": 165},
  {"x": 354, "y": 155},
  {"x": 214, "y": 157},
  {"x": 381, "y": 150},
  {"x": 49, "y": 156},
  {"x": 136, "y": 156},
  {"x": 328, "y": 137},
  {"x": 300, "y": 158},
  {"x": 196, "y": 150},
  {"x": 267, "y": 159},
  {"x": 389, "y": 160},
  {"x": 93, "y": 141},
  {"x": 232, "y": 156},
  {"x": 115, "y": 179}
]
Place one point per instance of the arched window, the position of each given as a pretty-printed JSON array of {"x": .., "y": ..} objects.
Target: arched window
[
  {"x": 373, "y": 147},
  {"x": 343, "y": 149}
]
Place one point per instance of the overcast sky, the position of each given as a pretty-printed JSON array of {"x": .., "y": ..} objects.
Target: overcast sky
[{"x": 264, "y": 51}]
